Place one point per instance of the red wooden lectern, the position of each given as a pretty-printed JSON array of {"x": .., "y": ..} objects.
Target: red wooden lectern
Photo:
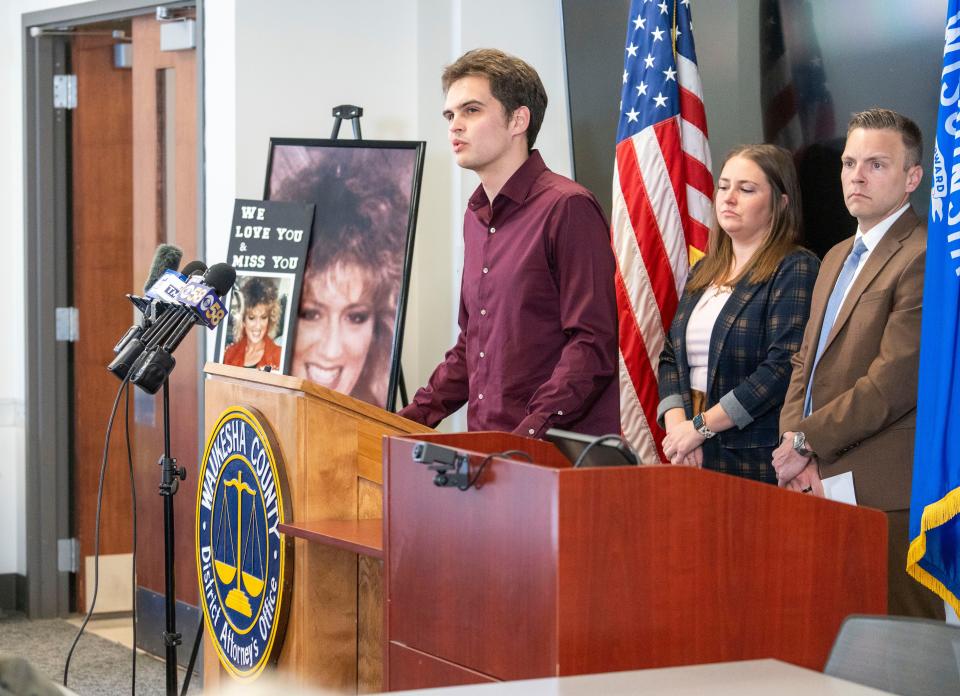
[{"x": 547, "y": 570}]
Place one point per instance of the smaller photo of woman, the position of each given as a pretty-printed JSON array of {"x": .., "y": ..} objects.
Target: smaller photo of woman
[{"x": 259, "y": 322}]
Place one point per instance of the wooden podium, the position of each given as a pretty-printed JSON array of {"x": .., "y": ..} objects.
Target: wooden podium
[
  {"x": 547, "y": 570},
  {"x": 331, "y": 446}
]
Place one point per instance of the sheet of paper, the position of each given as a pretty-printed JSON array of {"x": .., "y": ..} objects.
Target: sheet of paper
[{"x": 840, "y": 488}]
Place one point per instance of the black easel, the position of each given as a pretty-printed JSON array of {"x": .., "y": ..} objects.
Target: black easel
[{"x": 353, "y": 113}]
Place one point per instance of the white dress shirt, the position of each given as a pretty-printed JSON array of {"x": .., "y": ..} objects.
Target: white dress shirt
[
  {"x": 699, "y": 330},
  {"x": 870, "y": 240}
]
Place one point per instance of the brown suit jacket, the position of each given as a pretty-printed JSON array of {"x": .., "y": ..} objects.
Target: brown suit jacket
[{"x": 865, "y": 387}]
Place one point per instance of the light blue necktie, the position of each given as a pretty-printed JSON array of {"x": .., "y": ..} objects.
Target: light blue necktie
[{"x": 833, "y": 308}]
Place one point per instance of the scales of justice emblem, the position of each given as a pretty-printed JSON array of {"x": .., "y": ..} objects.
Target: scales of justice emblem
[
  {"x": 241, "y": 555},
  {"x": 246, "y": 550}
]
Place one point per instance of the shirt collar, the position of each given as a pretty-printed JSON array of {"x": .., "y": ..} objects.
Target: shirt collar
[
  {"x": 518, "y": 185},
  {"x": 873, "y": 237}
]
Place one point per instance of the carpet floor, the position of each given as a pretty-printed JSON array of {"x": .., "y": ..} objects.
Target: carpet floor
[{"x": 98, "y": 666}]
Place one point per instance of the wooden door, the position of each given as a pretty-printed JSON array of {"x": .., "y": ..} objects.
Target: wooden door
[
  {"x": 102, "y": 250},
  {"x": 165, "y": 211}
]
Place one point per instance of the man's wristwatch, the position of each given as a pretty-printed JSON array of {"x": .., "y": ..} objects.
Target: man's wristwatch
[
  {"x": 701, "y": 426},
  {"x": 800, "y": 445}
]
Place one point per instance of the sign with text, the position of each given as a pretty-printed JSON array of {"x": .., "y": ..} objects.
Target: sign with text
[{"x": 268, "y": 247}]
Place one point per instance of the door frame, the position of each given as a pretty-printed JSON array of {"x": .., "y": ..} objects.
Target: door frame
[{"x": 47, "y": 285}]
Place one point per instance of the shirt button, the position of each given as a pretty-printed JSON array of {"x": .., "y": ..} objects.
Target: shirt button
[
  {"x": 531, "y": 431},
  {"x": 480, "y": 396},
  {"x": 483, "y": 312},
  {"x": 482, "y": 354},
  {"x": 492, "y": 230},
  {"x": 486, "y": 270},
  {"x": 559, "y": 413}
]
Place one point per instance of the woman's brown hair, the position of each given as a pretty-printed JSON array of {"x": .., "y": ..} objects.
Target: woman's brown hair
[{"x": 776, "y": 163}]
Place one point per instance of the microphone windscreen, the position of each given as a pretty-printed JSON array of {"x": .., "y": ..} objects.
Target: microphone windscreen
[
  {"x": 194, "y": 268},
  {"x": 220, "y": 277},
  {"x": 167, "y": 256}
]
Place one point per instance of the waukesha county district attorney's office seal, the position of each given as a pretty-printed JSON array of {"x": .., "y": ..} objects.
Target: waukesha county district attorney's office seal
[{"x": 243, "y": 561}]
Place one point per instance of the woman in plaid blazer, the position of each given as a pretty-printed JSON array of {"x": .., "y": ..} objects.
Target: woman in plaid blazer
[{"x": 725, "y": 364}]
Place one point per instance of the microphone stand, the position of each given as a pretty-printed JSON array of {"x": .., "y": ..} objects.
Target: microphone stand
[{"x": 170, "y": 477}]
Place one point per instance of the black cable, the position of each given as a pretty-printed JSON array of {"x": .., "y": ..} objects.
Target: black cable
[
  {"x": 193, "y": 656},
  {"x": 483, "y": 464},
  {"x": 96, "y": 537},
  {"x": 602, "y": 439},
  {"x": 133, "y": 570}
]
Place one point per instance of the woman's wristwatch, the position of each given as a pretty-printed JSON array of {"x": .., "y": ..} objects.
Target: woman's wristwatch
[{"x": 701, "y": 426}]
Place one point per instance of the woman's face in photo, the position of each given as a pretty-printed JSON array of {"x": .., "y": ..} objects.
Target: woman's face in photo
[
  {"x": 335, "y": 328},
  {"x": 256, "y": 321}
]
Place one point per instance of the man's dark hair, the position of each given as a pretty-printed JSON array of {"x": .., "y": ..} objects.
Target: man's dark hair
[
  {"x": 888, "y": 119},
  {"x": 513, "y": 82}
]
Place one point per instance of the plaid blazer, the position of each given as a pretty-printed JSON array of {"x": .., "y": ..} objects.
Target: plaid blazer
[{"x": 748, "y": 366}]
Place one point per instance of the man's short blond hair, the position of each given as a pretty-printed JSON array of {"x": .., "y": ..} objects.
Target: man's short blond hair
[{"x": 888, "y": 119}]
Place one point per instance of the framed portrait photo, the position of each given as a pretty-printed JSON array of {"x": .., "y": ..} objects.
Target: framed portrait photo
[
  {"x": 257, "y": 327},
  {"x": 349, "y": 322}
]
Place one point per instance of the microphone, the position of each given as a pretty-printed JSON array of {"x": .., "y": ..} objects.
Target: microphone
[
  {"x": 202, "y": 305},
  {"x": 165, "y": 258},
  {"x": 168, "y": 286},
  {"x": 157, "y": 316},
  {"x": 179, "y": 311},
  {"x": 166, "y": 292}
]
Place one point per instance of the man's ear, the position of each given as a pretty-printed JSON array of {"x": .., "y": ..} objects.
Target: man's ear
[
  {"x": 520, "y": 120},
  {"x": 914, "y": 176}
]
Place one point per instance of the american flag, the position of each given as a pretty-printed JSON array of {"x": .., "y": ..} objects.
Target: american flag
[
  {"x": 797, "y": 106},
  {"x": 662, "y": 189}
]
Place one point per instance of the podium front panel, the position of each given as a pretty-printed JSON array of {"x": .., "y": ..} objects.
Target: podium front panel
[
  {"x": 456, "y": 591},
  {"x": 663, "y": 566},
  {"x": 547, "y": 571}
]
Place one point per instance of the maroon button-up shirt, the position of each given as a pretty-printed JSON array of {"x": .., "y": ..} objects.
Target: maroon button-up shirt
[{"x": 538, "y": 317}]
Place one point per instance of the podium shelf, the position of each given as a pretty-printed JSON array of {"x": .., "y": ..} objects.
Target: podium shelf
[{"x": 364, "y": 537}]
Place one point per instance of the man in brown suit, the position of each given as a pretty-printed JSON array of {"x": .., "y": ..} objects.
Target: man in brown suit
[{"x": 852, "y": 401}]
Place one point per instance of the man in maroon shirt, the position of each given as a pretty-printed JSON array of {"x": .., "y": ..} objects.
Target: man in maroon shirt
[{"x": 538, "y": 318}]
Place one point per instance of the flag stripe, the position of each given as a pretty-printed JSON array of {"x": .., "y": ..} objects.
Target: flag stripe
[
  {"x": 643, "y": 220},
  {"x": 636, "y": 428},
  {"x": 700, "y": 207},
  {"x": 695, "y": 145},
  {"x": 692, "y": 109},
  {"x": 633, "y": 274},
  {"x": 671, "y": 150},
  {"x": 642, "y": 375},
  {"x": 662, "y": 188},
  {"x": 697, "y": 175}
]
